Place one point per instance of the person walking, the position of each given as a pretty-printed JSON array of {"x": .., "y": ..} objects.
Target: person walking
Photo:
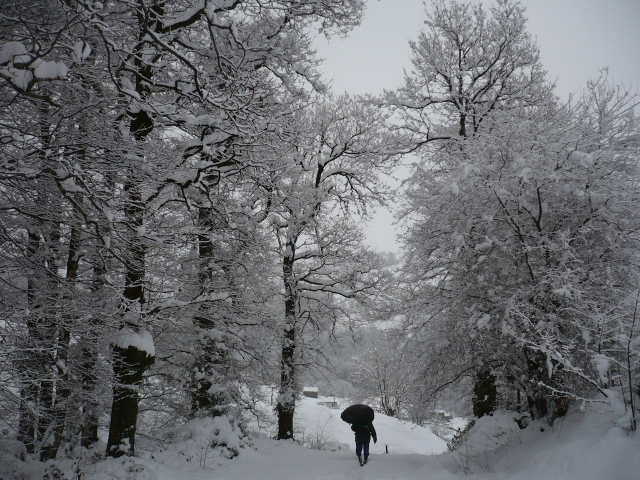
[{"x": 364, "y": 432}]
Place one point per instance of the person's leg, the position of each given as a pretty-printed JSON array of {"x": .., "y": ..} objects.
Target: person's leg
[
  {"x": 359, "y": 453},
  {"x": 366, "y": 451}
]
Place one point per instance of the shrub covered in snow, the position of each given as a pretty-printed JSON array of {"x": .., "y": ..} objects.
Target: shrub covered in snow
[{"x": 210, "y": 438}]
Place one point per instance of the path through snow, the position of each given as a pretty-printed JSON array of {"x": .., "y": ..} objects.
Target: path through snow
[{"x": 284, "y": 461}]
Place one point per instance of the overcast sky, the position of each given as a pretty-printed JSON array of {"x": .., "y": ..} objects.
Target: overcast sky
[{"x": 576, "y": 38}]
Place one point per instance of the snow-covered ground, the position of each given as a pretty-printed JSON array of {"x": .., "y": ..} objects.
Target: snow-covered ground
[
  {"x": 585, "y": 445},
  {"x": 321, "y": 423}
]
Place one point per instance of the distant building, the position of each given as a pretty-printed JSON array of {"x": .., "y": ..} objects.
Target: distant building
[
  {"x": 442, "y": 415},
  {"x": 329, "y": 403},
  {"x": 311, "y": 392}
]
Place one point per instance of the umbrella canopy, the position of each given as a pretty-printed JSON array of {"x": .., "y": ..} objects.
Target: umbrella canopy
[{"x": 358, "y": 414}]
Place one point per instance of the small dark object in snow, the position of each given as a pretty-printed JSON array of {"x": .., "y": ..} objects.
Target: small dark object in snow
[
  {"x": 523, "y": 421},
  {"x": 358, "y": 413},
  {"x": 541, "y": 429}
]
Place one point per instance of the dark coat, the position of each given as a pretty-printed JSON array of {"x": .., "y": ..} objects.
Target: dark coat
[{"x": 364, "y": 433}]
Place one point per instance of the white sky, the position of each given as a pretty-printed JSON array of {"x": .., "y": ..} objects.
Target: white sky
[{"x": 576, "y": 38}]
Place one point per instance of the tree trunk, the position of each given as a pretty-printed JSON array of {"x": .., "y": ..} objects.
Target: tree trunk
[
  {"x": 90, "y": 419},
  {"x": 537, "y": 405},
  {"x": 536, "y": 398},
  {"x": 130, "y": 363},
  {"x": 210, "y": 361},
  {"x": 288, "y": 388},
  {"x": 484, "y": 394},
  {"x": 58, "y": 414},
  {"x": 28, "y": 417},
  {"x": 47, "y": 342}
]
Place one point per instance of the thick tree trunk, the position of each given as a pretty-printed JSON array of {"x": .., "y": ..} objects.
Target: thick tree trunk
[
  {"x": 206, "y": 395},
  {"x": 210, "y": 361},
  {"x": 288, "y": 388},
  {"x": 90, "y": 408},
  {"x": 50, "y": 326},
  {"x": 28, "y": 417},
  {"x": 484, "y": 394},
  {"x": 89, "y": 363},
  {"x": 40, "y": 365},
  {"x": 536, "y": 398},
  {"x": 43, "y": 289},
  {"x": 537, "y": 405},
  {"x": 462, "y": 131},
  {"x": 130, "y": 363}
]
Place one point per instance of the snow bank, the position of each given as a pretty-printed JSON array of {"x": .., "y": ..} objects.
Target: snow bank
[{"x": 584, "y": 445}]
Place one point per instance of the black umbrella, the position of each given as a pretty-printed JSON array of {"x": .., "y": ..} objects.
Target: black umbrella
[{"x": 358, "y": 414}]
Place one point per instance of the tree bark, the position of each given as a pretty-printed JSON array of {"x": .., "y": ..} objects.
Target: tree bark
[
  {"x": 288, "y": 388},
  {"x": 210, "y": 360},
  {"x": 484, "y": 394},
  {"x": 129, "y": 364},
  {"x": 90, "y": 408}
]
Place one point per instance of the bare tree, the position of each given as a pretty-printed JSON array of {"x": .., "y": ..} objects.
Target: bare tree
[
  {"x": 497, "y": 252},
  {"x": 334, "y": 165}
]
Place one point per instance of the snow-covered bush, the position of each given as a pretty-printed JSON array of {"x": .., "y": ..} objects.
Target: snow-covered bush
[{"x": 209, "y": 440}]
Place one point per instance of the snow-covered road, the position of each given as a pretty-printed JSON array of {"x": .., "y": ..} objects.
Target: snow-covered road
[{"x": 280, "y": 461}]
